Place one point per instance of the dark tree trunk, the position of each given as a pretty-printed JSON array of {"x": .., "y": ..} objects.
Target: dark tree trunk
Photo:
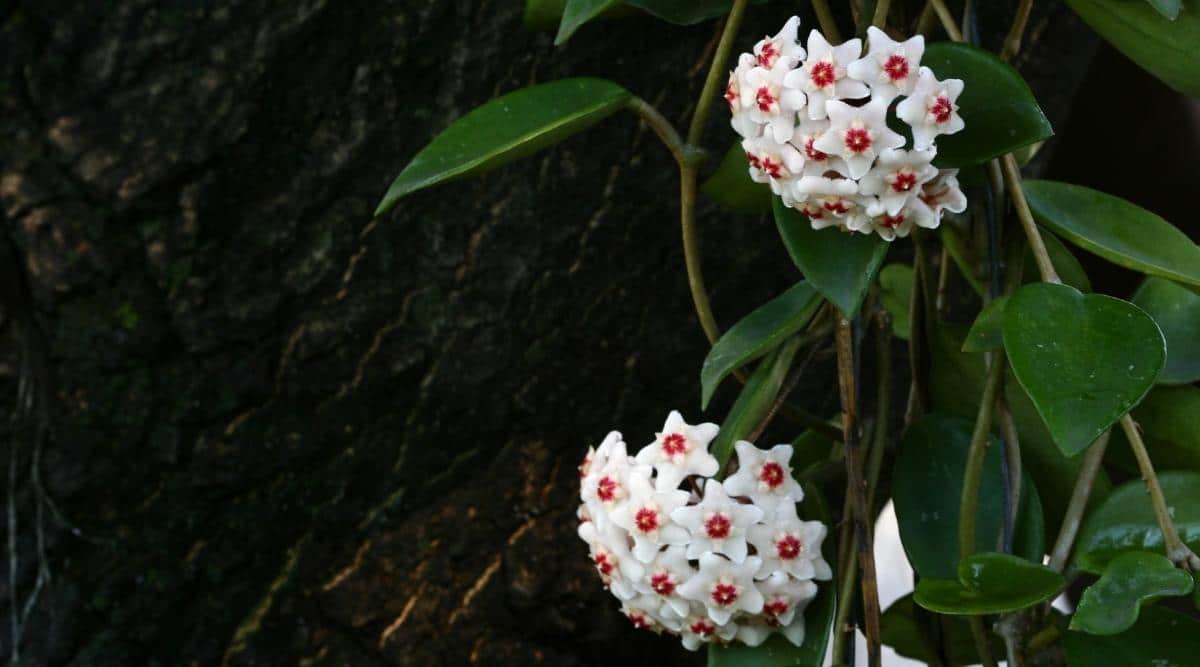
[{"x": 276, "y": 431}]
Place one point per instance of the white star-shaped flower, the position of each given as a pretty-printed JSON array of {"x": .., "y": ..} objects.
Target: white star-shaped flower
[
  {"x": 898, "y": 177},
  {"x": 816, "y": 163},
  {"x": 739, "y": 118},
  {"x": 725, "y": 587},
  {"x": 823, "y": 75},
  {"x": 943, "y": 193},
  {"x": 697, "y": 628},
  {"x": 680, "y": 450},
  {"x": 753, "y": 631},
  {"x": 891, "y": 226},
  {"x": 781, "y": 50},
  {"x": 617, "y": 567},
  {"x": 931, "y": 108},
  {"x": 767, "y": 101},
  {"x": 772, "y": 163},
  {"x": 647, "y": 515},
  {"x": 643, "y": 612},
  {"x": 827, "y": 201},
  {"x": 794, "y": 631},
  {"x": 764, "y": 476},
  {"x": 858, "y": 134},
  {"x": 783, "y": 596},
  {"x": 668, "y": 571},
  {"x": 605, "y": 486},
  {"x": 790, "y": 545},
  {"x": 890, "y": 67},
  {"x": 718, "y": 523}
]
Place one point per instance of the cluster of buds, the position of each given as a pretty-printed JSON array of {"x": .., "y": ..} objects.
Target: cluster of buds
[
  {"x": 707, "y": 560},
  {"x": 814, "y": 126}
]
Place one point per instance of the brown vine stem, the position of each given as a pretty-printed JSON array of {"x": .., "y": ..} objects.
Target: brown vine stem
[
  {"x": 1012, "y": 178},
  {"x": 857, "y": 489},
  {"x": 661, "y": 127},
  {"x": 716, "y": 71},
  {"x": 1012, "y": 43},
  {"x": 1177, "y": 551},
  {"x": 881, "y": 13},
  {"x": 828, "y": 24},
  {"x": 1088, "y": 470},
  {"x": 948, "y": 23}
]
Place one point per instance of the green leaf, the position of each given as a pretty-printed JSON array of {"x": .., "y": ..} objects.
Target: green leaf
[
  {"x": 1111, "y": 605},
  {"x": 1115, "y": 229},
  {"x": 1168, "y": 8},
  {"x": 542, "y": 14},
  {"x": 1084, "y": 359},
  {"x": 899, "y": 630},
  {"x": 506, "y": 128},
  {"x": 927, "y": 491},
  {"x": 987, "y": 332},
  {"x": 956, "y": 386},
  {"x": 895, "y": 294},
  {"x": 839, "y": 265},
  {"x": 684, "y": 12},
  {"x": 989, "y": 583},
  {"x": 1125, "y": 520},
  {"x": 1170, "y": 421},
  {"x": 1161, "y": 638},
  {"x": 777, "y": 651},
  {"x": 731, "y": 186},
  {"x": 811, "y": 447},
  {"x": 1069, "y": 270},
  {"x": 756, "y": 334},
  {"x": 755, "y": 401},
  {"x": 578, "y": 12},
  {"x": 1176, "y": 309},
  {"x": 997, "y": 106},
  {"x": 1167, "y": 49}
]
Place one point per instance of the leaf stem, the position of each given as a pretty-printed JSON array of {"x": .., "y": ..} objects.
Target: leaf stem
[
  {"x": 857, "y": 489},
  {"x": 980, "y": 440},
  {"x": 1177, "y": 551},
  {"x": 712, "y": 82},
  {"x": 1012, "y": 454},
  {"x": 828, "y": 24},
  {"x": 1012, "y": 43},
  {"x": 943, "y": 14},
  {"x": 1088, "y": 470},
  {"x": 691, "y": 252},
  {"x": 661, "y": 126},
  {"x": 1012, "y": 178}
]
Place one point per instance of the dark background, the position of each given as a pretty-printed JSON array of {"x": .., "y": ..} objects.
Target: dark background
[{"x": 251, "y": 425}]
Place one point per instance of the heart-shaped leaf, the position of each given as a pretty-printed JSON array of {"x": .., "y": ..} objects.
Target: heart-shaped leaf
[
  {"x": 1115, "y": 229},
  {"x": 1111, "y": 605},
  {"x": 1176, "y": 309},
  {"x": 756, "y": 399},
  {"x": 927, "y": 491},
  {"x": 1170, "y": 421},
  {"x": 756, "y": 334},
  {"x": 507, "y": 128},
  {"x": 777, "y": 651},
  {"x": 1164, "y": 47},
  {"x": 577, "y": 12},
  {"x": 895, "y": 295},
  {"x": 839, "y": 265},
  {"x": 997, "y": 106},
  {"x": 1069, "y": 270},
  {"x": 1161, "y": 638},
  {"x": 731, "y": 186},
  {"x": 1084, "y": 359},
  {"x": 1125, "y": 520},
  {"x": 987, "y": 333},
  {"x": 989, "y": 583},
  {"x": 899, "y": 629}
]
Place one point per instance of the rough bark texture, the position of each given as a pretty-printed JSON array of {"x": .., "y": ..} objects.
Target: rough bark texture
[{"x": 279, "y": 432}]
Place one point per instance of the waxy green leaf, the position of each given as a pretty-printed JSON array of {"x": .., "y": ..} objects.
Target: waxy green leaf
[
  {"x": 756, "y": 334},
  {"x": 542, "y": 14},
  {"x": 577, "y": 12},
  {"x": 1169, "y": 418},
  {"x": 1168, "y": 8},
  {"x": 755, "y": 401},
  {"x": 1164, "y": 47},
  {"x": 1176, "y": 309},
  {"x": 899, "y": 630},
  {"x": 989, "y": 583},
  {"x": 839, "y": 265},
  {"x": 506, "y": 128},
  {"x": 1161, "y": 638},
  {"x": 1115, "y": 229},
  {"x": 999, "y": 109},
  {"x": 1112, "y": 604},
  {"x": 1084, "y": 359},
  {"x": 895, "y": 295},
  {"x": 987, "y": 333},
  {"x": 927, "y": 492},
  {"x": 731, "y": 186},
  {"x": 1125, "y": 520}
]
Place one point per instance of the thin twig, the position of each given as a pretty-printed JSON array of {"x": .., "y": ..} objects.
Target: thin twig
[
  {"x": 980, "y": 440},
  {"x": 712, "y": 82},
  {"x": 788, "y": 385},
  {"x": 943, "y": 280},
  {"x": 948, "y": 23},
  {"x": 1012, "y": 454},
  {"x": 881, "y": 13},
  {"x": 1177, "y": 551},
  {"x": 1012, "y": 178},
  {"x": 856, "y": 486},
  {"x": 828, "y": 24},
  {"x": 1012, "y": 43},
  {"x": 1088, "y": 469},
  {"x": 661, "y": 126}
]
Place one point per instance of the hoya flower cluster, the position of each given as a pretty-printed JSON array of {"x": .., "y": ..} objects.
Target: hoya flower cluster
[
  {"x": 814, "y": 126},
  {"x": 708, "y": 560}
]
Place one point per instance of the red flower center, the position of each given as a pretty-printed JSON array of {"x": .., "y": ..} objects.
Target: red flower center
[
  {"x": 639, "y": 620},
  {"x": 776, "y": 607},
  {"x": 674, "y": 445},
  {"x": 607, "y": 488},
  {"x": 838, "y": 205},
  {"x": 662, "y": 584},
  {"x": 731, "y": 93},
  {"x": 585, "y": 467},
  {"x": 812, "y": 153},
  {"x": 646, "y": 519},
  {"x": 702, "y": 628},
  {"x": 768, "y": 55},
  {"x": 858, "y": 139},
  {"x": 753, "y": 160},
  {"x": 941, "y": 109},
  {"x": 771, "y": 474},
  {"x": 788, "y": 547},
  {"x": 896, "y": 67},
  {"x": 603, "y": 563},
  {"x": 822, "y": 74},
  {"x": 765, "y": 99},
  {"x": 717, "y": 526},
  {"x": 903, "y": 180},
  {"x": 724, "y": 594},
  {"x": 773, "y": 168},
  {"x": 814, "y": 212},
  {"x": 893, "y": 221}
]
